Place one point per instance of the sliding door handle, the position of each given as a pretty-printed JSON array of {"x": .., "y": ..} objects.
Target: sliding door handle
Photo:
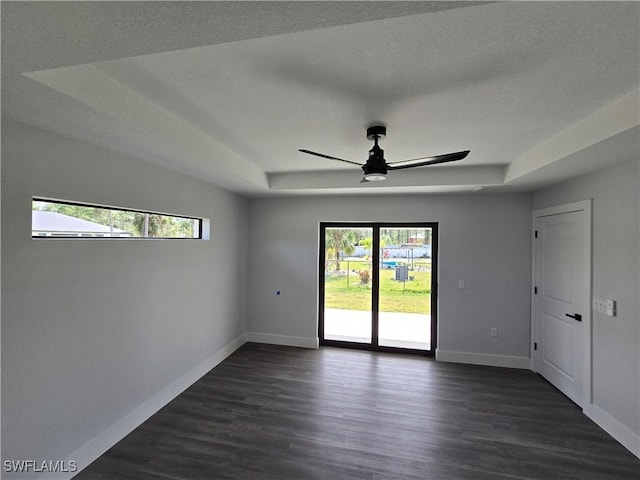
[{"x": 577, "y": 316}]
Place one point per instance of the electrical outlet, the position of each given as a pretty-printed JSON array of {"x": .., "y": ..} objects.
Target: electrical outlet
[
  {"x": 494, "y": 332},
  {"x": 460, "y": 283}
]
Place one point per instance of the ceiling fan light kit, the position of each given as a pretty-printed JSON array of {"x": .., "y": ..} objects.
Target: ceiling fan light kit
[
  {"x": 376, "y": 168},
  {"x": 374, "y": 177}
]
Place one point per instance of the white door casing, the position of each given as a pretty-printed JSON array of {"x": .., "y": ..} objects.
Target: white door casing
[{"x": 561, "y": 303}]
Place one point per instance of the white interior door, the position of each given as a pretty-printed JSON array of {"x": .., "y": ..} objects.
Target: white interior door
[{"x": 562, "y": 315}]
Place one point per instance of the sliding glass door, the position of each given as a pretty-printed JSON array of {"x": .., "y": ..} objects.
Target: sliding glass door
[
  {"x": 347, "y": 284},
  {"x": 377, "y": 285},
  {"x": 404, "y": 316}
]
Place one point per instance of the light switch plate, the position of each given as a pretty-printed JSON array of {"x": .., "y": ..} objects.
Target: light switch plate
[
  {"x": 608, "y": 307},
  {"x": 598, "y": 306}
]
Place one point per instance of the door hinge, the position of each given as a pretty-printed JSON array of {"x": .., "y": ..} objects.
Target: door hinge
[
  {"x": 535, "y": 345},
  {"x": 535, "y": 290},
  {"x": 536, "y": 234}
]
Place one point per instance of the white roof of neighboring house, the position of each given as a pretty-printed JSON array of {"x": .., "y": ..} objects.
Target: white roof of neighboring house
[{"x": 58, "y": 222}]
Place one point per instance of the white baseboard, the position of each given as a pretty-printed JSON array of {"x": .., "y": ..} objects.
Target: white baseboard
[
  {"x": 622, "y": 433},
  {"x": 90, "y": 451},
  {"x": 483, "y": 359},
  {"x": 286, "y": 340}
]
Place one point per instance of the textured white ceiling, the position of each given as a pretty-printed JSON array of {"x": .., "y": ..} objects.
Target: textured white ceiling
[{"x": 229, "y": 91}]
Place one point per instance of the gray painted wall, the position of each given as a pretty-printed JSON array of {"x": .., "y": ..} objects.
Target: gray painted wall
[
  {"x": 485, "y": 239},
  {"x": 92, "y": 329},
  {"x": 616, "y": 261}
]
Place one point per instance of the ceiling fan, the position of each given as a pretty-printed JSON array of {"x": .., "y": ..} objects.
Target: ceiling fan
[{"x": 376, "y": 167}]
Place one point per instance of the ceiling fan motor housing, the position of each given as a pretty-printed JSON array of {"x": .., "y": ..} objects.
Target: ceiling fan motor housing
[{"x": 376, "y": 163}]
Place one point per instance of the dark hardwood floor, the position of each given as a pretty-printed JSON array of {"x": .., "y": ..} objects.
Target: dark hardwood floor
[{"x": 270, "y": 412}]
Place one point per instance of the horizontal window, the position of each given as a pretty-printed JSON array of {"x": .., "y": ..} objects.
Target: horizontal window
[{"x": 64, "y": 219}]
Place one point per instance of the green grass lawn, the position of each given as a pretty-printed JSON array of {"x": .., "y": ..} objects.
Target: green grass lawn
[{"x": 413, "y": 296}]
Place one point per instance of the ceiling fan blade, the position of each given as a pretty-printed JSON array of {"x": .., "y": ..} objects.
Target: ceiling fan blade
[
  {"x": 329, "y": 157},
  {"x": 423, "y": 161}
]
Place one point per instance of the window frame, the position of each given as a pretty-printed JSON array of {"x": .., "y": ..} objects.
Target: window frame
[{"x": 202, "y": 222}]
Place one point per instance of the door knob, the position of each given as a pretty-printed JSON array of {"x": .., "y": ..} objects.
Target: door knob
[{"x": 577, "y": 316}]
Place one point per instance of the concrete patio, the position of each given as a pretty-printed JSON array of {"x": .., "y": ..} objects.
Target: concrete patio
[{"x": 404, "y": 330}]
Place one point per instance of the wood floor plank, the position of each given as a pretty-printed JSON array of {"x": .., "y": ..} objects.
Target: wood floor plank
[{"x": 270, "y": 412}]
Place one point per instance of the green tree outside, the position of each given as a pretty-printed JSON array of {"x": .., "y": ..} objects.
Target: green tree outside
[{"x": 138, "y": 224}]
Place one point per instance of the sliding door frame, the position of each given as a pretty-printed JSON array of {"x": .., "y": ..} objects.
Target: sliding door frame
[{"x": 375, "y": 285}]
